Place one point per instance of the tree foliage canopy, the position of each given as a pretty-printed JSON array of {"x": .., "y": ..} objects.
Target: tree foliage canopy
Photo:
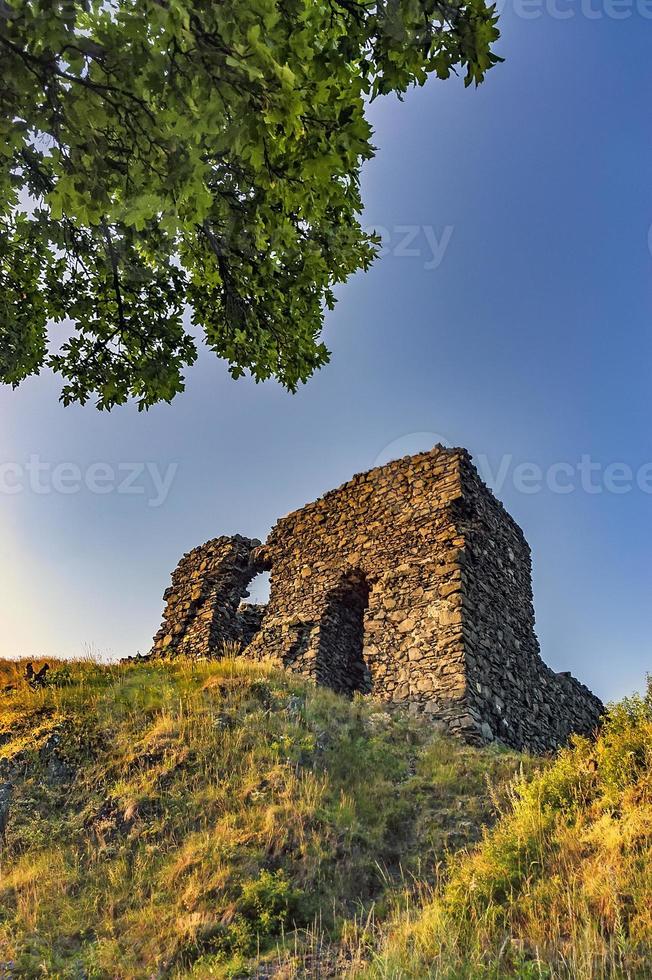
[{"x": 164, "y": 155}]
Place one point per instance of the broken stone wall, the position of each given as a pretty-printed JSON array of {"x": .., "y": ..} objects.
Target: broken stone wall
[
  {"x": 410, "y": 582},
  {"x": 391, "y": 530},
  {"x": 512, "y": 694},
  {"x": 201, "y": 605}
]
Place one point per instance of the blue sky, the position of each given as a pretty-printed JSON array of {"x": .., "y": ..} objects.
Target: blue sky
[{"x": 521, "y": 329}]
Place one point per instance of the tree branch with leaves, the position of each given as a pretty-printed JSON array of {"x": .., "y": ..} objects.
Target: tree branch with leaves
[{"x": 172, "y": 170}]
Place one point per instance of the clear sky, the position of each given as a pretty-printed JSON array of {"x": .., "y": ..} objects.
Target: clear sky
[{"x": 511, "y": 313}]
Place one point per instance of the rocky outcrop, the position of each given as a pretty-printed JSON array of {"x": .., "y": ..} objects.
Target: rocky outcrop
[{"x": 410, "y": 582}]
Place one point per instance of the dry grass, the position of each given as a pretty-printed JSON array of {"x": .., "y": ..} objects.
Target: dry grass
[
  {"x": 217, "y": 819},
  {"x": 221, "y": 820},
  {"x": 560, "y": 887}
]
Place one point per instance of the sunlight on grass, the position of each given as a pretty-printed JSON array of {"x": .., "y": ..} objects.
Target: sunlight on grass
[
  {"x": 561, "y": 886},
  {"x": 189, "y": 818},
  {"x": 214, "y": 819}
]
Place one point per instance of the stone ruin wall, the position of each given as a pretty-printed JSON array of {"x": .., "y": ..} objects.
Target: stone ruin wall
[
  {"x": 410, "y": 582},
  {"x": 203, "y": 606},
  {"x": 511, "y": 692},
  {"x": 386, "y": 543}
]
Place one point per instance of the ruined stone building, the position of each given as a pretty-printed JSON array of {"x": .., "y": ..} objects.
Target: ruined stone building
[{"x": 411, "y": 583}]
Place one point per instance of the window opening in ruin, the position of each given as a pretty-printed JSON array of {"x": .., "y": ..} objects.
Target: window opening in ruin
[
  {"x": 340, "y": 661},
  {"x": 258, "y": 589}
]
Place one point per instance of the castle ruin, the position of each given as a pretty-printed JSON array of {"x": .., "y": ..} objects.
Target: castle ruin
[{"x": 411, "y": 583}]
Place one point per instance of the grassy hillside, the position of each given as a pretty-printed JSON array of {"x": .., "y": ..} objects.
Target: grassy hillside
[
  {"x": 221, "y": 820},
  {"x": 215, "y": 819},
  {"x": 562, "y": 884}
]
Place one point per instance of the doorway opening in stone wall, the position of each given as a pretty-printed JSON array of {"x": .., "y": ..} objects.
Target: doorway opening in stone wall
[
  {"x": 340, "y": 662},
  {"x": 252, "y": 607}
]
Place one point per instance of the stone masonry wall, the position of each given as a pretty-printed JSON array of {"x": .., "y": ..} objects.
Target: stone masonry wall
[
  {"x": 392, "y": 531},
  {"x": 202, "y": 604},
  {"x": 512, "y": 694},
  {"x": 410, "y": 582}
]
